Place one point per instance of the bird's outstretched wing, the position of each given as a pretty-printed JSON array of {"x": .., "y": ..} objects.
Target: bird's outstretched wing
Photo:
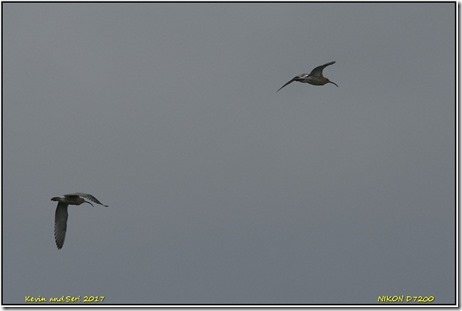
[
  {"x": 89, "y": 197},
  {"x": 317, "y": 72},
  {"x": 60, "y": 224},
  {"x": 286, "y": 84}
]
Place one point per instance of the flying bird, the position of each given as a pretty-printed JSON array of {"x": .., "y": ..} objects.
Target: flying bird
[
  {"x": 61, "y": 212},
  {"x": 315, "y": 77}
]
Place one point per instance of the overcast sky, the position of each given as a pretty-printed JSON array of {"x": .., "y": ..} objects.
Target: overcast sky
[{"x": 221, "y": 190}]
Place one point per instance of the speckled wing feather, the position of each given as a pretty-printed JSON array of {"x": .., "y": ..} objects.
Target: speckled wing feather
[
  {"x": 317, "y": 72},
  {"x": 60, "y": 224},
  {"x": 286, "y": 84},
  {"x": 89, "y": 197}
]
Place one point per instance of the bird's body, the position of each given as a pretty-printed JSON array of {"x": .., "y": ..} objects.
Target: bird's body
[
  {"x": 315, "y": 77},
  {"x": 61, "y": 212}
]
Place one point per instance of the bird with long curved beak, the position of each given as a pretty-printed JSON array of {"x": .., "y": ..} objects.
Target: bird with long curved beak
[
  {"x": 61, "y": 212},
  {"x": 315, "y": 77}
]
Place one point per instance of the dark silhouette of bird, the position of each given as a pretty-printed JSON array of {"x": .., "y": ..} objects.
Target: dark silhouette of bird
[
  {"x": 315, "y": 77},
  {"x": 61, "y": 212}
]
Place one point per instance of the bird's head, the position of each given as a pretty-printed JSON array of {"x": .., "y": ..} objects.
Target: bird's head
[
  {"x": 328, "y": 81},
  {"x": 55, "y": 198}
]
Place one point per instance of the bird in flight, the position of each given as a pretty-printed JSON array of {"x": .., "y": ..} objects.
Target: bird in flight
[
  {"x": 315, "y": 77},
  {"x": 61, "y": 212}
]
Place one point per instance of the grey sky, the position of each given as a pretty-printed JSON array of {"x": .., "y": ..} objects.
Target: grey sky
[{"x": 219, "y": 189}]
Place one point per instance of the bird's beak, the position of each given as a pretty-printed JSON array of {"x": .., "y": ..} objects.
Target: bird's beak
[
  {"x": 333, "y": 83},
  {"x": 286, "y": 84}
]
